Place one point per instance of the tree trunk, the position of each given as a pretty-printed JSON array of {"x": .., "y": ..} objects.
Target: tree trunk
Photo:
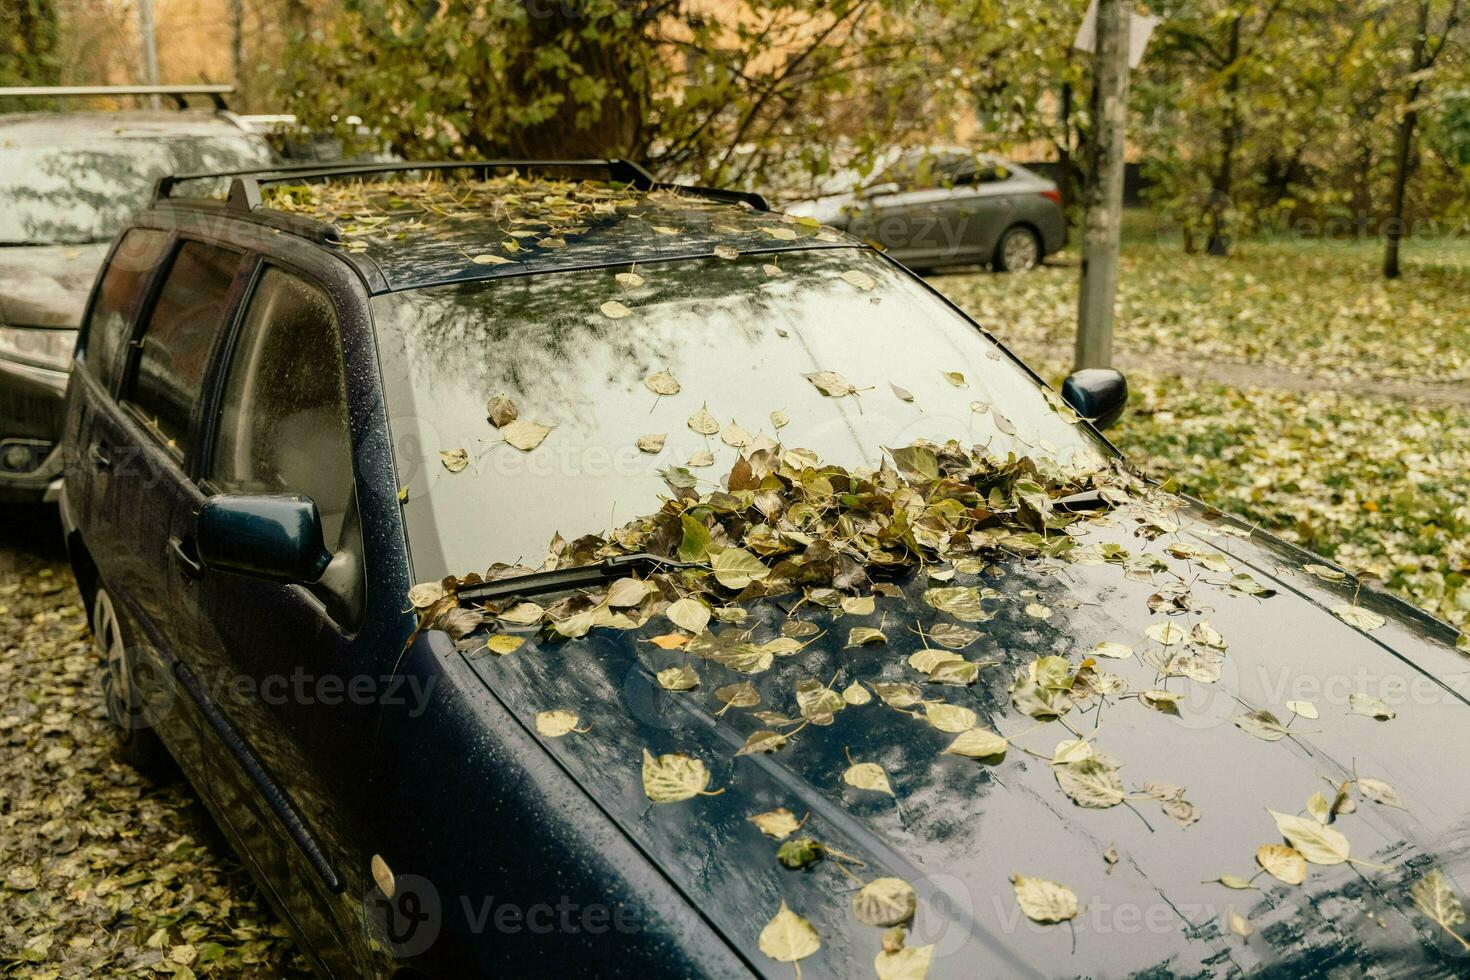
[
  {"x": 1224, "y": 179},
  {"x": 1403, "y": 149},
  {"x": 237, "y": 51},
  {"x": 1097, "y": 295},
  {"x": 603, "y": 52}
]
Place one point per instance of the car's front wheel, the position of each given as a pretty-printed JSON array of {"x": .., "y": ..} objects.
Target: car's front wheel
[
  {"x": 1019, "y": 250},
  {"x": 137, "y": 744}
]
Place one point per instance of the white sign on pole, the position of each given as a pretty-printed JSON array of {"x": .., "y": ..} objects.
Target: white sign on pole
[{"x": 1140, "y": 29}]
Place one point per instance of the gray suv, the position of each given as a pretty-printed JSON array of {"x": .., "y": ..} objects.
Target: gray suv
[
  {"x": 941, "y": 206},
  {"x": 68, "y": 182}
]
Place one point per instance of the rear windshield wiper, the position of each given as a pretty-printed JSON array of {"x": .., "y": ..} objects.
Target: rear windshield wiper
[{"x": 573, "y": 577}]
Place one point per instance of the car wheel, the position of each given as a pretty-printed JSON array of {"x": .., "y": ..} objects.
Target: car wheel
[
  {"x": 137, "y": 744},
  {"x": 1019, "y": 250}
]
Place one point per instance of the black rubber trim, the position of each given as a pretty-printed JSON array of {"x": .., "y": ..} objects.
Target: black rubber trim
[{"x": 274, "y": 795}]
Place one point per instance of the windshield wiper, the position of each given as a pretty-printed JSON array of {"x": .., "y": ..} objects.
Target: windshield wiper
[
  {"x": 1086, "y": 500},
  {"x": 573, "y": 577}
]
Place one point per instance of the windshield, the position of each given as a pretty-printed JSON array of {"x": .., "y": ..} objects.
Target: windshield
[
  {"x": 738, "y": 342},
  {"x": 71, "y": 193}
]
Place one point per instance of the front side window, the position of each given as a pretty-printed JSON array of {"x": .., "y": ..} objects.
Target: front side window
[
  {"x": 738, "y": 339},
  {"x": 127, "y": 275},
  {"x": 282, "y": 425},
  {"x": 175, "y": 345}
]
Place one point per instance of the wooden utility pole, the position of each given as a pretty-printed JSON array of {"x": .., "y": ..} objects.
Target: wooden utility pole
[{"x": 1102, "y": 194}]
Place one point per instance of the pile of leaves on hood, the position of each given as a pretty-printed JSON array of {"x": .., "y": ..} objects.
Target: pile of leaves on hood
[
  {"x": 104, "y": 873},
  {"x": 784, "y": 521}
]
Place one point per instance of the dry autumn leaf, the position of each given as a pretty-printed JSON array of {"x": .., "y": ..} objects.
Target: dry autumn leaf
[
  {"x": 978, "y": 743},
  {"x": 885, "y": 902},
  {"x": 454, "y": 460},
  {"x": 661, "y": 383},
  {"x": 653, "y": 443},
  {"x": 524, "y": 434},
  {"x": 555, "y": 724},
  {"x": 735, "y": 568},
  {"x": 674, "y": 777},
  {"x": 777, "y": 824},
  {"x": 788, "y": 938},
  {"x": 1282, "y": 862},
  {"x": 1317, "y": 843},
  {"x": 869, "y": 776},
  {"x": 831, "y": 383},
  {"x": 703, "y": 422},
  {"x": 1044, "y": 901},
  {"x": 501, "y": 410},
  {"x": 688, "y": 613},
  {"x": 677, "y": 679},
  {"x": 501, "y": 644},
  {"x": 614, "y": 310},
  {"x": 1363, "y": 619}
]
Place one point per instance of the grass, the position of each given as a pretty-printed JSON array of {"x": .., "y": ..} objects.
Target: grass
[
  {"x": 1377, "y": 483},
  {"x": 1311, "y": 307}
]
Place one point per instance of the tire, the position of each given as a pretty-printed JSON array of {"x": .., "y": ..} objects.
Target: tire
[
  {"x": 1019, "y": 250},
  {"x": 136, "y": 744}
]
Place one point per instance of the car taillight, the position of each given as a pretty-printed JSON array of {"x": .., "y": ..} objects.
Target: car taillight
[{"x": 1053, "y": 195}]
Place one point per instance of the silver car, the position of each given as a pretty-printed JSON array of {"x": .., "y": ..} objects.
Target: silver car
[
  {"x": 68, "y": 181},
  {"x": 941, "y": 206}
]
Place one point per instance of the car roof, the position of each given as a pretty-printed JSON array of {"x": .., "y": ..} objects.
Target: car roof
[
  {"x": 408, "y": 228},
  {"x": 53, "y": 128}
]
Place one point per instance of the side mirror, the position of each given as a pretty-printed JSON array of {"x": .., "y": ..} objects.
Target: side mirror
[
  {"x": 1098, "y": 394},
  {"x": 270, "y": 536}
]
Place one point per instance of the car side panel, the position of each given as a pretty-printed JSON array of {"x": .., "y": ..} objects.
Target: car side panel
[{"x": 531, "y": 876}]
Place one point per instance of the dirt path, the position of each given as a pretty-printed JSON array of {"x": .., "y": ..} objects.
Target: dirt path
[{"x": 1237, "y": 374}]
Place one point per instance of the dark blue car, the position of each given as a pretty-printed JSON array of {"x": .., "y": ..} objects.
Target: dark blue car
[{"x": 542, "y": 571}]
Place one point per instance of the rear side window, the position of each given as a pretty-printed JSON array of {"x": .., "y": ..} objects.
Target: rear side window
[
  {"x": 175, "y": 345},
  {"x": 282, "y": 424},
  {"x": 127, "y": 275}
]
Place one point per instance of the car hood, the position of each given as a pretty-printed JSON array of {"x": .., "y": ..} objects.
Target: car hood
[
  {"x": 957, "y": 829},
  {"x": 47, "y": 285}
]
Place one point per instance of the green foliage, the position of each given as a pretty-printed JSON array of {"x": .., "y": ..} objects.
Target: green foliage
[
  {"x": 767, "y": 92},
  {"x": 1263, "y": 113},
  {"x": 29, "y": 31}
]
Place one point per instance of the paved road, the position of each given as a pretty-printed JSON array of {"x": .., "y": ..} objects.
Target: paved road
[{"x": 104, "y": 872}]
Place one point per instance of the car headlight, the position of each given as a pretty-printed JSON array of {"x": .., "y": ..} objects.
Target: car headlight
[{"x": 43, "y": 347}]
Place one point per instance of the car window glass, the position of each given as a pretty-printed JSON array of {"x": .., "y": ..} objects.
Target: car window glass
[
  {"x": 176, "y": 343},
  {"x": 741, "y": 344},
  {"x": 72, "y": 187},
  {"x": 127, "y": 275},
  {"x": 282, "y": 423}
]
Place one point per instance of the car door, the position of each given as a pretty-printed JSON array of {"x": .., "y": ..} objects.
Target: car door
[
  {"x": 135, "y": 451},
  {"x": 906, "y": 214},
  {"x": 981, "y": 206},
  {"x": 277, "y": 663}
]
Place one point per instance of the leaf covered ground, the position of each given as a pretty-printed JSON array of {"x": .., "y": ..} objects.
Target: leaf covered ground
[
  {"x": 104, "y": 873},
  {"x": 1340, "y": 463}
]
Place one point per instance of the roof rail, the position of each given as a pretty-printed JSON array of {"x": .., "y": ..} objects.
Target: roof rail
[
  {"x": 216, "y": 93},
  {"x": 245, "y": 194}
]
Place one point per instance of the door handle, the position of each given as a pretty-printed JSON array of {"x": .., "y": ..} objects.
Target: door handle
[
  {"x": 100, "y": 455},
  {"x": 181, "y": 553}
]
